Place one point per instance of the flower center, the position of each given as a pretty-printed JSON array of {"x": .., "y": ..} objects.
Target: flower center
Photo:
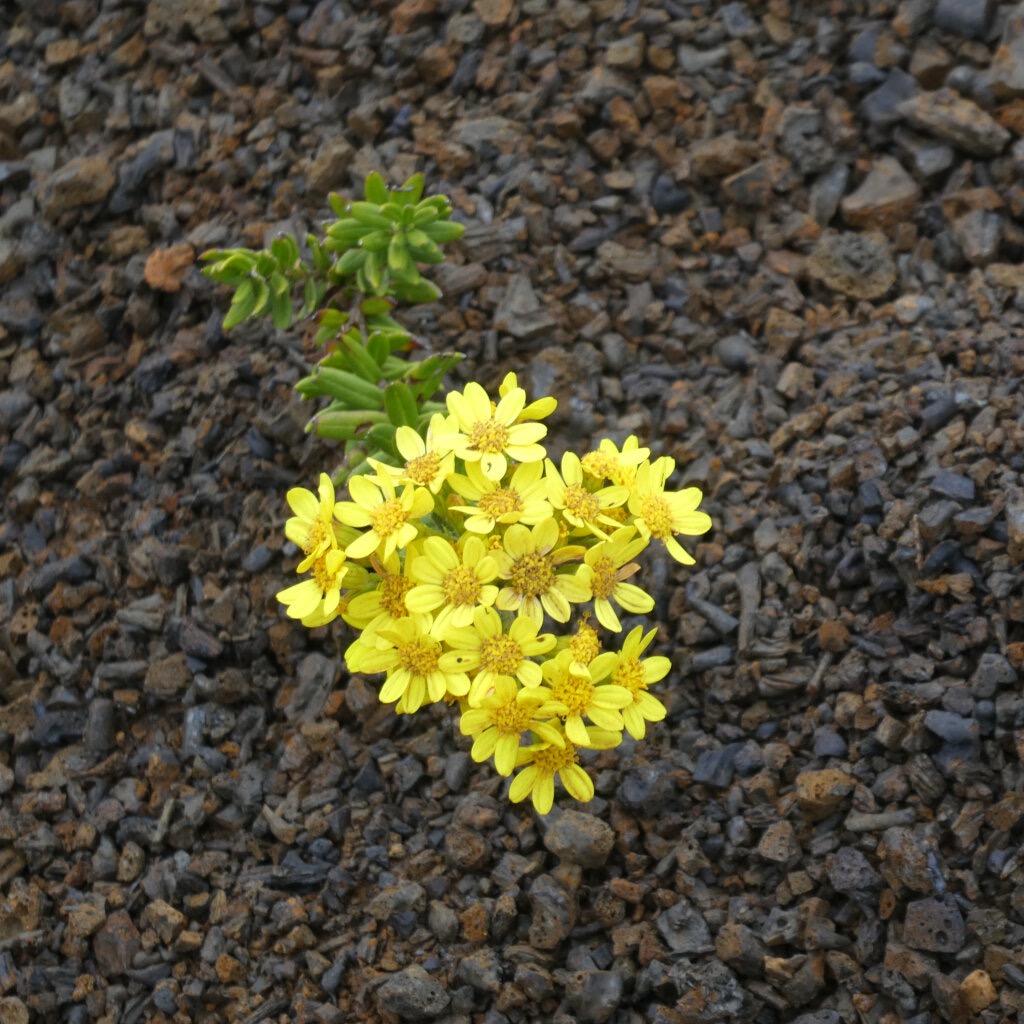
[
  {"x": 501, "y": 655},
  {"x": 512, "y": 717},
  {"x": 630, "y": 674},
  {"x": 580, "y": 503},
  {"x": 419, "y": 656},
  {"x": 656, "y": 513},
  {"x": 584, "y": 645},
  {"x": 555, "y": 759},
  {"x": 598, "y": 464},
  {"x": 316, "y": 537},
  {"x": 388, "y": 517},
  {"x": 489, "y": 437},
  {"x": 326, "y": 577},
  {"x": 574, "y": 692},
  {"x": 500, "y": 502},
  {"x": 461, "y": 586},
  {"x": 423, "y": 468},
  {"x": 392, "y": 590},
  {"x": 532, "y": 574},
  {"x": 604, "y": 578}
]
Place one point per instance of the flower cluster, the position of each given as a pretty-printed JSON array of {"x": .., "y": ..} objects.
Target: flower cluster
[{"x": 479, "y": 572}]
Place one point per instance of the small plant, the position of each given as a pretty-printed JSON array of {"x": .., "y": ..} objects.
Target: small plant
[{"x": 476, "y": 571}]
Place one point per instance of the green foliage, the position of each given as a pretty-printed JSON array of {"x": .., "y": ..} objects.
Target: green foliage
[{"x": 354, "y": 277}]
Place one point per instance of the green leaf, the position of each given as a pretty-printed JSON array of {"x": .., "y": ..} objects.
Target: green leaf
[
  {"x": 376, "y": 305},
  {"x": 285, "y": 251},
  {"x": 400, "y": 405},
  {"x": 281, "y": 310},
  {"x": 309, "y": 297},
  {"x": 242, "y": 304},
  {"x": 415, "y": 294},
  {"x": 339, "y": 204},
  {"x": 382, "y": 437},
  {"x": 411, "y": 191},
  {"x": 375, "y": 188},
  {"x": 262, "y": 295}
]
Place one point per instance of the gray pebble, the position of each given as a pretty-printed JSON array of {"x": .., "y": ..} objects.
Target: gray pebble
[
  {"x": 594, "y": 995},
  {"x": 580, "y": 838},
  {"x": 412, "y": 994},
  {"x": 684, "y": 929},
  {"x": 736, "y": 351},
  {"x": 951, "y": 727}
]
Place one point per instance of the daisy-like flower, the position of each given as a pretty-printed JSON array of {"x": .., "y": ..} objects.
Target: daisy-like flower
[
  {"x": 390, "y": 516},
  {"x": 492, "y": 434},
  {"x": 501, "y": 718},
  {"x": 539, "y": 409},
  {"x": 455, "y": 581},
  {"x": 606, "y": 567},
  {"x": 411, "y": 657},
  {"x": 528, "y": 562},
  {"x": 581, "y": 507},
  {"x": 488, "y": 653},
  {"x": 321, "y": 593},
  {"x": 544, "y": 761},
  {"x": 521, "y": 500},
  {"x": 578, "y": 696},
  {"x": 608, "y": 463},
  {"x": 428, "y": 463},
  {"x": 627, "y": 669},
  {"x": 312, "y": 527},
  {"x": 382, "y": 602},
  {"x": 661, "y": 514}
]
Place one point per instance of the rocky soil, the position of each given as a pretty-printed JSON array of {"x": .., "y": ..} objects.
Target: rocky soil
[{"x": 781, "y": 241}]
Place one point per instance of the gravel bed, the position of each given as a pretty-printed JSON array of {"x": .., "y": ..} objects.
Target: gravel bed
[{"x": 781, "y": 242}]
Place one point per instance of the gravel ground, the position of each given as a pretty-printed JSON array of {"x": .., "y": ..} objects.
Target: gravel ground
[{"x": 781, "y": 242}]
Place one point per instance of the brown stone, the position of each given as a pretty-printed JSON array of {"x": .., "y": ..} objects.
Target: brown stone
[
  {"x": 819, "y": 793},
  {"x": 435, "y": 63},
  {"x": 166, "y": 268},
  {"x": 493, "y": 13},
  {"x": 977, "y": 992},
  {"x": 81, "y": 182},
  {"x": 116, "y": 943},
  {"x": 167, "y": 921},
  {"x": 833, "y": 636},
  {"x": 726, "y": 154},
  {"x": 885, "y": 197},
  {"x": 410, "y": 14}
]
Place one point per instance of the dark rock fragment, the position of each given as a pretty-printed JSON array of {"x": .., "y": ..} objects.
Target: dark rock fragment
[
  {"x": 684, "y": 929},
  {"x": 412, "y": 994},
  {"x": 935, "y": 926}
]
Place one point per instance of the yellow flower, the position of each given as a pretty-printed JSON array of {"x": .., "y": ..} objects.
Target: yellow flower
[
  {"x": 581, "y": 508},
  {"x": 545, "y": 760},
  {"x": 457, "y": 582},
  {"x": 490, "y": 653},
  {"x": 635, "y": 674},
  {"x": 384, "y": 602},
  {"x": 410, "y": 656},
  {"x": 536, "y": 410},
  {"x": 501, "y": 718},
  {"x": 606, "y": 567},
  {"x": 428, "y": 463},
  {"x": 528, "y": 562},
  {"x": 521, "y": 501},
  {"x": 390, "y": 516},
  {"x": 578, "y": 697},
  {"x": 312, "y": 527},
  {"x": 321, "y": 593},
  {"x": 608, "y": 463},
  {"x": 660, "y": 514},
  {"x": 491, "y": 434}
]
